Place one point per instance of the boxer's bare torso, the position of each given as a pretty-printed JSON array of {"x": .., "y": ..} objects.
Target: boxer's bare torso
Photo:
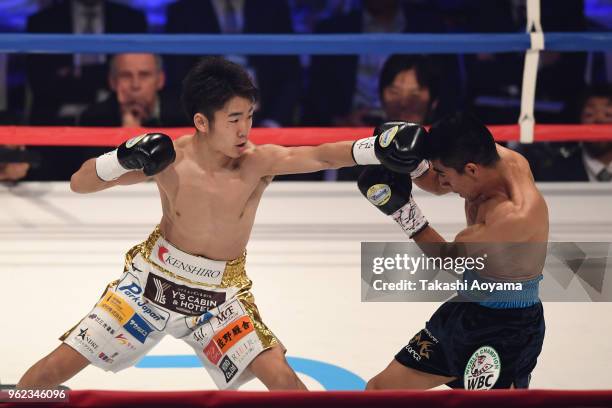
[
  {"x": 209, "y": 212},
  {"x": 507, "y": 219},
  {"x": 518, "y": 250},
  {"x": 210, "y": 193},
  {"x": 517, "y": 197}
]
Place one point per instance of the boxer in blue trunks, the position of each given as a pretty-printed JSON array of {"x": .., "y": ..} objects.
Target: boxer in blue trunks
[{"x": 470, "y": 342}]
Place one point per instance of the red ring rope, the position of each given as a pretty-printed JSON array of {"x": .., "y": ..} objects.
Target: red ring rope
[{"x": 87, "y": 136}]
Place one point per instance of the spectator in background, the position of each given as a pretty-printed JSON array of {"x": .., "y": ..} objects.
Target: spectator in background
[
  {"x": 342, "y": 90},
  {"x": 138, "y": 99},
  {"x": 588, "y": 161},
  {"x": 277, "y": 77},
  {"x": 61, "y": 85},
  {"x": 408, "y": 91}
]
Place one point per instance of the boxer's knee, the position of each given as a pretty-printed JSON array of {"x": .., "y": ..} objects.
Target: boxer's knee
[
  {"x": 49, "y": 372},
  {"x": 371, "y": 384}
]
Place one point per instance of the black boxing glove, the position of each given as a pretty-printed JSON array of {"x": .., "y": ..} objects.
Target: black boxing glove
[
  {"x": 391, "y": 193},
  {"x": 399, "y": 146},
  {"x": 151, "y": 153}
]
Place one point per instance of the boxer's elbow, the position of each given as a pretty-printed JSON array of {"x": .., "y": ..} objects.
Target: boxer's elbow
[
  {"x": 76, "y": 184},
  {"x": 85, "y": 180}
]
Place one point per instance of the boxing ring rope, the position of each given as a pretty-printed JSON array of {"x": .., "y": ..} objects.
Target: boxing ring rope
[
  {"x": 296, "y": 44},
  {"x": 304, "y": 136},
  {"x": 325, "y": 45},
  {"x": 336, "y": 44}
]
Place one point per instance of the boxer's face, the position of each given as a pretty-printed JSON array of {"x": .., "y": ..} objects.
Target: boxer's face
[
  {"x": 465, "y": 184},
  {"x": 230, "y": 131}
]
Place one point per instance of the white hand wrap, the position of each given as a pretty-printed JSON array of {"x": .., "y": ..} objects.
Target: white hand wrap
[
  {"x": 108, "y": 167},
  {"x": 410, "y": 218},
  {"x": 420, "y": 170},
  {"x": 363, "y": 151}
]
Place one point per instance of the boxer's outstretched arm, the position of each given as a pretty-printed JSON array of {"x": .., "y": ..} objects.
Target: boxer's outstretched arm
[
  {"x": 272, "y": 160},
  {"x": 86, "y": 180}
]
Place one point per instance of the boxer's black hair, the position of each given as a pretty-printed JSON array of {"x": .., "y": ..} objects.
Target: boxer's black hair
[
  {"x": 211, "y": 83},
  {"x": 459, "y": 139}
]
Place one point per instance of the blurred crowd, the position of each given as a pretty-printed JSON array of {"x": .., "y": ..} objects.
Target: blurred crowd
[{"x": 134, "y": 90}]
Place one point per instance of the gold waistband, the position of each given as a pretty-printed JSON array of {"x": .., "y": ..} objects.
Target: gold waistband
[{"x": 234, "y": 274}]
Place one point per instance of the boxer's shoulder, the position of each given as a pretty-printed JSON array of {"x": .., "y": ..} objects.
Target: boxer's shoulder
[{"x": 258, "y": 157}]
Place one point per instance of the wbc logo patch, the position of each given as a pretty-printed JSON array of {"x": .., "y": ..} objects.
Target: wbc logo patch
[{"x": 482, "y": 370}]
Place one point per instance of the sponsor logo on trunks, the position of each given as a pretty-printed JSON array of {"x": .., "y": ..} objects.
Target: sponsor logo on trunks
[
  {"x": 160, "y": 288},
  {"x": 419, "y": 348},
  {"x": 379, "y": 194},
  {"x": 482, "y": 370},
  {"x": 431, "y": 336},
  {"x": 138, "y": 328},
  {"x": 131, "y": 289},
  {"x": 124, "y": 341},
  {"x": 227, "y": 314},
  {"x": 243, "y": 351},
  {"x": 106, "y": 358},
  {"x": 232, "y": 333},
  {"x": 229, "y": 369},
  {"x": 203, "y": 334},
  {"x": 167, "y": 259},
  {"x": 161, "y": 253},
  {"x": 195, "y": 321},
  {"x": 102, "y": 323},
  {"x": 211, "y": 351},
  {"x": 116, "y": 307},
  {"x": 387, "y": 136},
  {"x": 181, "y": 299},
  {"x": 85, "y": 340}
]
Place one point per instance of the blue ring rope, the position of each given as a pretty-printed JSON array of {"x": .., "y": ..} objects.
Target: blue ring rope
[{"x": 267, "y": 44}]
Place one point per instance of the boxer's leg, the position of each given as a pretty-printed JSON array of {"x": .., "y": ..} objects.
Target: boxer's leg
[
  {"x": 272, "y": 369},
  {"x": 398, "y": 376},
  {"x": 60, "y": 365}
]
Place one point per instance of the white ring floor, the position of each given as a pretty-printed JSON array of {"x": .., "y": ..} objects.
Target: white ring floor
[{"x": 304, "y": 259}]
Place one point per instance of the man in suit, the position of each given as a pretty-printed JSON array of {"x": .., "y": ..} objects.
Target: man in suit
[
  {"x": 138, "y": 99},
  {"x": 588, "y": 161},
  {"x": 61, "y": 84},
  {"x": 278, "y": 77}
]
